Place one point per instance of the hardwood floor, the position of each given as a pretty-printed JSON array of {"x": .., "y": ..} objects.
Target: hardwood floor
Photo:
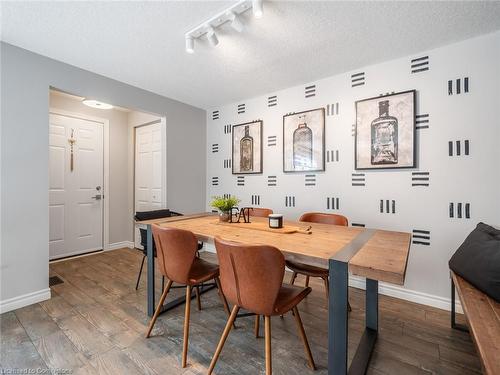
[{"x": 95, "y": 323}]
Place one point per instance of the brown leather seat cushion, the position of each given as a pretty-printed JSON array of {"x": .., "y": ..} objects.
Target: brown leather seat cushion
[
  {"x": 306, "y": 269},
  {"x": 288, "y": 297},
  {"x": 202, "y": 271}
]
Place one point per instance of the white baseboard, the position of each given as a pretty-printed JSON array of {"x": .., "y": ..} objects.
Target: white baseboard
[
  {"x": 24, "y": 300},
  {"x": 120, "y": 245},
  {"x": 394, "y": 291}
]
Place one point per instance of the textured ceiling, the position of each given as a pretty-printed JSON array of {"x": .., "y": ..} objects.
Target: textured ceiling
[{"x": 142, "y": 43}]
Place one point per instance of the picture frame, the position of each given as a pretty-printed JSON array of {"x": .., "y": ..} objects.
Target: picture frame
[
  {"x": 304, "y": 141},
  {"x": 385, "y": 133},
  {"x": 246, "y": 149}
]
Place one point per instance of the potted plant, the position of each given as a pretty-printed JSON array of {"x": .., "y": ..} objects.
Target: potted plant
[{"x": 224, "y": 205}]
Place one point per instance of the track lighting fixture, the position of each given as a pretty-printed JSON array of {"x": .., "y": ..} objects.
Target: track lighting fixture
[
  {"x": 212, "y": 38},
  {"x": 236, "y": 22},
  {"x": 257, "y": 7},
  {"x": 189, "y": 44},
  {"x": 231, "y": 15}
]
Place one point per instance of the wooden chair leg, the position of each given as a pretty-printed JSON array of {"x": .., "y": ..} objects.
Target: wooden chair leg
[
  {"x": 302, "y": 334},
  {"x": 269, "y": 366},
  {"x": 257, "y": 326},
  {"x": 307, "y": 281},
  {"x": 198, "y": 300},
  {"x": 223, "y": 338},
  {"x": 158, "y": 308},
  {"x": 186, "y": 326}
]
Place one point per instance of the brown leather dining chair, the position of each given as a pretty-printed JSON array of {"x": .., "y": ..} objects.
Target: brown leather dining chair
[
  {"x": 260, "y": 212},
  {"x": 177, "y": 261},
  {"x": 252, "y": 278},
  {"x": 311, "y": 271}
]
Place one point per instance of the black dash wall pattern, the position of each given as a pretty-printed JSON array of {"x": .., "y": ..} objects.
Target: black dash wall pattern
[
  {"x": 227, "y": 163},
  {"x": 422, "y": 121},
  {"x": 421, "y": 237},
  {"x": 420, "y": 178},
  {"x": 290, "y": 201},
  {"x": 459, "y": 210},
  {"x": 332, "y": 156},
  {"x": 215, "y": 181},
  {"x": 387, "y": 206},
  {"x": 458, "y": 86},
  {"x": 459, "y": 148},
  {"x": 420, "y": 64},
  {"x": 226, "y": 196},
  {"x": 357, "y": 79},
  {"x": 227, "y": 129},
  {"x": 241, "y": 108},
  {"x": 272, "y": 101},
  {"x": 256, "y": 200},
  {"x": 358, "y": 179},
  {"x": 271, "y": 140},
  {"x": 215, "y": 147},
  {"x": 215, "y": 115},
  {"x": 332, "y": 203},
  {"x": 310, "y": 91},
  {"x": 357, "y": 225},
  {"x": 332, "y": 109},
  {"x": 353, "y": 130},
  {"x": 271, "y": 180},
  {"x": 240, "y": 180},
  {"x": 310, "y": 180}
]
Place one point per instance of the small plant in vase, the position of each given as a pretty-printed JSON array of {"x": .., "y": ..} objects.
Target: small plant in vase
[{"x": 224, "y": 205}]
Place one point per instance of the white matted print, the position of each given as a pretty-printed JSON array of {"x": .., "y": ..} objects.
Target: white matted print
[
  {"x": 304, "y": 141},
  {"x": 385, "y": 132},
  {"x": 247, "y": 148}
]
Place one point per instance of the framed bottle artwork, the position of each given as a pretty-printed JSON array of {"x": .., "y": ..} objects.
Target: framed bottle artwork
[
  {"x": 247, "y": 148},
  {"x": 385, "y": 132},
  {"x": 304, "y": 141}
]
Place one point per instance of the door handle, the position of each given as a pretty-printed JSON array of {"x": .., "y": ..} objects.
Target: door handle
[{"x": 97, "y": 197}]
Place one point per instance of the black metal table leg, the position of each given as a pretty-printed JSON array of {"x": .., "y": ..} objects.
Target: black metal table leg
[
  {"x": 151, "y": 272},
  {"x": 363, "y": 354},
  {"x": 337, "y": 317},
  {"x": 338, "y": 267}
]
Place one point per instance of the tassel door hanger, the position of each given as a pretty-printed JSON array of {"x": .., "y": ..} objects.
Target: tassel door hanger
[{"x": 71, "y": 141}]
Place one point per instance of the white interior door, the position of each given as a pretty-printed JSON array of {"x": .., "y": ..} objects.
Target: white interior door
[
  {"x": 75, "y": 196},
  {"x": 150, "y": 169}
]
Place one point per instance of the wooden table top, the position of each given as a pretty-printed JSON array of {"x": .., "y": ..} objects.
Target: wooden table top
[{"x": 382, "y": 257}]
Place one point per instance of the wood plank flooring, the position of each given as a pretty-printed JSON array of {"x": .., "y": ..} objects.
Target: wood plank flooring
[{"x": 96, "y": 321}]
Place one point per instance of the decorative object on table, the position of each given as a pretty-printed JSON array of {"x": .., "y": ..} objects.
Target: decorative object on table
[
  {"x": 276, "y": 221},
  {"x": 247, "y": 148},
  {"x": 477, "y": 260},
  {"x": 385, "y": 132},
  {"x": 304, "y": 141},
  {"x": 245, "y": 212},
  {"x": 225, "y": 206},
  {"x": 71, "y": 141}
]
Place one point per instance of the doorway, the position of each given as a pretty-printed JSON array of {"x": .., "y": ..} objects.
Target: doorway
[
  {"x": 150, "y": 173},
  {"x": 77, "y": 186}
]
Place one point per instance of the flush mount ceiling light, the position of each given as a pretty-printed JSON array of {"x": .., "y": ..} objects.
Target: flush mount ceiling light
[
  {"x": 96, "y": 104},
  {"x": 231, "y": 15}
]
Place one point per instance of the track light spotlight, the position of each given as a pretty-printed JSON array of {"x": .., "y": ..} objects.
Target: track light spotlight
[
  {"x": 189, "y": 44},
  {"x": 212, "y": 38},
  {"x": 236, "y": 22},
  {"x": 257, "y": 7}
]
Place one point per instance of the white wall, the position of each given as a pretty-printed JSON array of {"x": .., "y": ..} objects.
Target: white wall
[
  {"x": 25, "y": 81},
  {"x": 473, "y": 179}
]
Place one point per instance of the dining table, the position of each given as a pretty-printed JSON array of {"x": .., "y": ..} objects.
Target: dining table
[{"x": 374, "y": 254}]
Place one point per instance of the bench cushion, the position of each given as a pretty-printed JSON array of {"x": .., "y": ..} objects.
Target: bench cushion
[
  {"x": 483, "y": 318},
  {"x": 477, "y": 260}
]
